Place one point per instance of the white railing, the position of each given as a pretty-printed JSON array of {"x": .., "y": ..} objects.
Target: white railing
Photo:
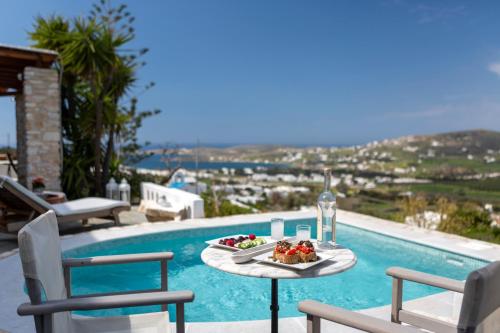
[{"x": 191, "y": 202}]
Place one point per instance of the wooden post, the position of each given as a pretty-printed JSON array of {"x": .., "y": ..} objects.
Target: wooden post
[
  {"x": 397, "y": 299},
  {"x": 47, "y": 323},
  {"x": 67, "y": 280},
  {"x": 179, "y": 318},
  {"x": 313, "y": 324},
  {"x": 164, "y": 279}
]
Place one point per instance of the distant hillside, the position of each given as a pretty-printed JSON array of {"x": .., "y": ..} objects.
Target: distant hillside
[
  {"x": 472, "y": 142},
  {"x": 453, "y": 154}
]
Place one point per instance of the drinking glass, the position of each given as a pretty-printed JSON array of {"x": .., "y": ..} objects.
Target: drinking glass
[
  {"x": 277, "y": 229},
  {"x": 303, "y": 232}
]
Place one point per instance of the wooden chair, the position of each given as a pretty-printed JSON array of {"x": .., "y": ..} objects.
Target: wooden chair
[
  {"x": 480, "y": 311},
  {"x": 48, "y": 283}
]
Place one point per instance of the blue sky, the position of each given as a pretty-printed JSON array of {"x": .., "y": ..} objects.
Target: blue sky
[{"x": 302, "y": 72}]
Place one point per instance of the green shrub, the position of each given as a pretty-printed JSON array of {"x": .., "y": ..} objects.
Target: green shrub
[
  {"x": 215, "y": 207},
  {"x": 465, "y": 219}
]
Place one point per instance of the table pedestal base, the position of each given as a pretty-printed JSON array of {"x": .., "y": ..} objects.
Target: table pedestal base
[{"x": 274, "y": 306}]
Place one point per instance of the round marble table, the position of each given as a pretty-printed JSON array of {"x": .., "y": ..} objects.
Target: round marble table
[{"x": 220, "y": 259}]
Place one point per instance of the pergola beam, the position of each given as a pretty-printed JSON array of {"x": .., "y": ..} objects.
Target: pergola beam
[
  {"x": 13, "y": 61},
  {"x": 25, "y": 53},
  {"x": 9, "y": 93}
]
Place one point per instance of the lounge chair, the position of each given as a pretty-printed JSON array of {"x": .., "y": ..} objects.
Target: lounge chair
[
  {"x": 19, "y": 199},
  {"x": 480, "y": 311},
  {"x": 48, "y": 283}
]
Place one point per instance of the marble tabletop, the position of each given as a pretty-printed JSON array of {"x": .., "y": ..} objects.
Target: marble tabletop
[{"x": 221, "y": 259}]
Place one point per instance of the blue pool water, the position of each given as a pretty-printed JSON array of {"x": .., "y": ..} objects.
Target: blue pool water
[{"x": 225, "y": 297}]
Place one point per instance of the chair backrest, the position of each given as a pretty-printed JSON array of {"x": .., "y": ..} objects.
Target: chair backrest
[
  {"x": 17, "y": 196},
  {"x": 40, "y": 252},
  {"x": 480, "y": 312}
]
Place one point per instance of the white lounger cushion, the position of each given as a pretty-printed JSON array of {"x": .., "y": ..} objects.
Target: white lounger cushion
[
  {"x": 93, "y": 207},
  {"x": 140, "y": 323},
  {"x": 87, "y": 205}
]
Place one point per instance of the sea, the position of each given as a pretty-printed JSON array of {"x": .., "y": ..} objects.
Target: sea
[{"x": 154, "y": 162}]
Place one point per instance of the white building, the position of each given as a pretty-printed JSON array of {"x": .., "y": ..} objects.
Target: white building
[
  {"x": 186, "y": 181},
  {"x": 489, "y": 159}
]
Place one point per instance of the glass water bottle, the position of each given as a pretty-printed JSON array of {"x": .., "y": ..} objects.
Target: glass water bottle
[{"x": 327, "y": 213}]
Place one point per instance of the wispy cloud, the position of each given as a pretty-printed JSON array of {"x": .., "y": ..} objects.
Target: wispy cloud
[
  {"x": 429, "y": 12},
  {"x": 494, "y": 67}
]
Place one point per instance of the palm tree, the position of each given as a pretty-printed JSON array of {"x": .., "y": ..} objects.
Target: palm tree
[{"x": 97, "y": 73}]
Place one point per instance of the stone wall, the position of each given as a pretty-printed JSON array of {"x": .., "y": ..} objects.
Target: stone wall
[{"x": 38, "y": 123}]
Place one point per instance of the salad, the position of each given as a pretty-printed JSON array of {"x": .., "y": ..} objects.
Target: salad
[
  {"x": 243, "y": 242},
  {"x": 249, "y": 243}
]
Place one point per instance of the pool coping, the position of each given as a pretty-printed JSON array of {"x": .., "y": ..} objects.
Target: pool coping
[{"x": 11, "y": 294}]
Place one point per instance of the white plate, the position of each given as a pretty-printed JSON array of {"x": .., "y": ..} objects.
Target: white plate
[
  {"x": 215, "y": 242},
  {"x": 323, "y": 256}
]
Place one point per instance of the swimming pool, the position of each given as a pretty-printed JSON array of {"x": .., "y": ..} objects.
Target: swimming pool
[{"x": 224, "y": 297}]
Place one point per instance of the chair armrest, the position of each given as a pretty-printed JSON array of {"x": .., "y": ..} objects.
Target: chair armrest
[
  {"x": 162, "y": 257},
  {"x": 428, "y": 279},
  {"x": 106, "y": 302},
  {"x": 117, "y": 259},
  {"x": 352, "y": 319}
]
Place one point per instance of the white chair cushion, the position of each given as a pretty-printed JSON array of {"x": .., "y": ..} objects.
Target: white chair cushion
[
  {"x": 40, "y": 252},
  {"x": 157, "y": 322}
]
